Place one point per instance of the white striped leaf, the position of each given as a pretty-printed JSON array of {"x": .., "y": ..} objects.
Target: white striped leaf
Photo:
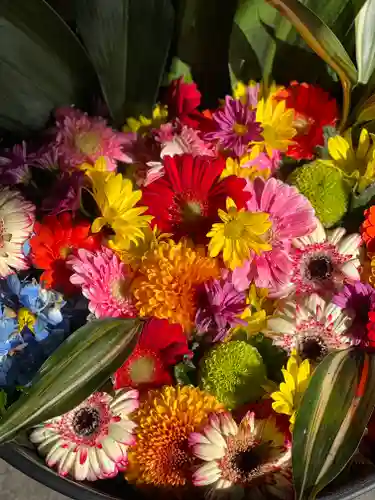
[
  {"x": 80, "y": 366},
  {"x": 365, "y": 41},
  {"x": 332, "y": 418}
]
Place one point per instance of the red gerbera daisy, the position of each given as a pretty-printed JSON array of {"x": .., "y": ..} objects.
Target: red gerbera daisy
[
  {"x": 185, "y": 201},
  {"x": 314, "y": 109},
  {"x": 55, "y": 238},
  {"x": 160, "y": 346}
]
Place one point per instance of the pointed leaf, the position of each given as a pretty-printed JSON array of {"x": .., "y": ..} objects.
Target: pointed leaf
[
  {"x": 80, "y": 366},
  {"x": 366, "y": 112},
  {"x": 365, "y": 41},
  {"x": 42, "y": 65},
  {"x": 128, "y": 42},
  {"x": 332, "y": 418}
]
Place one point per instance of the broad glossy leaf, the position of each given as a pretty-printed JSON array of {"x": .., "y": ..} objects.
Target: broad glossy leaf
[
  {"x": 318, "y": 36},
  {"x": 42, "y": 65},
  {"x": 81, "y": 365},
  {"x": 365, "y": 41},
  {"x": 128, "y": 43},
  {"x": 332, "y": 418}
]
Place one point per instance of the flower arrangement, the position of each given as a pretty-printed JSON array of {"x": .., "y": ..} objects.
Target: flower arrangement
[{"x": 187, "y": 274}]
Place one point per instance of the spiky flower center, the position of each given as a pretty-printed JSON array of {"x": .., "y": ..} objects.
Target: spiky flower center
[
  {"x": 240, "y": 129},
  {"x": 86, "y": 421},
  {"x": 88, "y": 143},
  {"x": 320, "y": 268},
  {"x": 313, "y": 347},
  {"x": 247, "y": 461}
]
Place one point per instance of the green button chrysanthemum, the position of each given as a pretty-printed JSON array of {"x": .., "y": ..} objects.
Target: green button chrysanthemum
[
  {"x": 234, "y": 373},
  {"x": 326, "y": 189}
]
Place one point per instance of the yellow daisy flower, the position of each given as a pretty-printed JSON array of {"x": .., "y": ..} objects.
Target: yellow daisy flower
[
  {"x": 277, "y": 122},
  {"x": 116, "y": 200},
  {"x": 240, "y": 90},
  {"x": 259, "y": 309},
  {"x": 142, "y": 125},
  {"x": 246, "y": 167},
  {"x": 25, "y": 319},
  {"x": 288, "y": 398},
  {"x": 240, "y": 233},
  {"x": 99, "y": 166},
  {"x": 357, "y": 163}
]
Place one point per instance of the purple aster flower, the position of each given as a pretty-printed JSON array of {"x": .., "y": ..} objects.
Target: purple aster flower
[
  {"x": 236, "y": 126},
  {"x": 65, "y": 194},
  {"x": 14, "y": 165},
  {"x": 357, "y": 299},
  {"x": 220, "y": 305}
]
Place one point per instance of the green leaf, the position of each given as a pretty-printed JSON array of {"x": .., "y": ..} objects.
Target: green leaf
[
  {"x": 366, "y": 112},
  {"x": 332, "y": 418},
  {"x": 324, "y": 43},
  {"x": 3, "y": 401},
  {"x": 42, "y": 65},
  {"x": 198, "y": 45},
  {"x": 80, "y": 366},
  {"x": 128, "y": 42},
  {"x": 365, "y": 41}
]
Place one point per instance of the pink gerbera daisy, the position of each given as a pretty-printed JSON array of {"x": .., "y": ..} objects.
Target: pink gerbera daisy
[
  {"x": 235, "y": 127},
  {"x": 186, "y": 140},
  {"x": 83, "y": 139},
  {"x": 105, "y": 282},
  {"x": 292, "y": 216}
]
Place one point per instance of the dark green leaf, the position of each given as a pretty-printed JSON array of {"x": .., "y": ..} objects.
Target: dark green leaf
[
  {"x": 185, "y": 372},
  {"x": 331, "y": 420},
  {"x": 3, "y": 401},
  {"x": 42, "y": 65},
  {"x": 80, "y": 366},
  {"x": 128, "y": 42}
]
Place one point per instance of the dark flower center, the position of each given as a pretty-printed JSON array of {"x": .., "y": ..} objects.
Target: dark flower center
[
  {"x": 320, "y": 268},
  {"x": 191, "y": 211},
  {"x": 86, "y": 421},
  {"x": 247, "y": 460},
  {"x": 313, "y": 348}
]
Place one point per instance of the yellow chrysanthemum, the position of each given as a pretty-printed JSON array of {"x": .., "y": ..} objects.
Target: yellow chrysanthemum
[
  {"x": 99, "y": 166},
  {"x": 133, "y": 255},
  {"x": 240, "y": 233},
  {"x": 245, "y": 167},
  {"x": 142, "y": 125},
  {"x": 357, "y": 163},
  {"x": 288, "y": 398},
  {"x": 116, "y": 200},
  {"x": 258, "y": 311},
  {"x": 165, "y": 419},
  {"x": 170, "y": 273},
  {"x": 277, "y": 122}
]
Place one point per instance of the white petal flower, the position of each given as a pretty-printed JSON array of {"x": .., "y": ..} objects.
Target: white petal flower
[
  {"x": 311, "y": 324},
  {"x": 91, "y": 441},
  {"x": 254, "y": 461},
  {"x": 16, "y": 224}
]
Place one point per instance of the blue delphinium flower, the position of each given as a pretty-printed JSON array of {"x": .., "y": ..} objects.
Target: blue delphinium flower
[{"x": 32, "y": 326}]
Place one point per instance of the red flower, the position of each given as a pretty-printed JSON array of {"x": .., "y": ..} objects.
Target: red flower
[
  {"x": 182, "y": 98},
  {"x": 160, "y": 346},
  {"x": 314, "y": 109},
  {"x": 185, "y": 201},
  {"x": 56, "y": 237}
]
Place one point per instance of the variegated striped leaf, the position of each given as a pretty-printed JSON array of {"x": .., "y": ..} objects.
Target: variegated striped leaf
[
  {"x": 332, "y": 418},
  {"x": 80, "y": 366}
]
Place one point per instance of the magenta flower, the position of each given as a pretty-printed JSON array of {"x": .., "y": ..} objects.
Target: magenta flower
[
  {"x": 15, "y": 165},
  {"x": 235, "y": 127},
  {"x": 81, "y": 139},
  {"x": 65, "y": 193},
  {"x": 220, "y": 306},
  {"x": 292, "y": 216},
  {"x": 357, "y": 300}
]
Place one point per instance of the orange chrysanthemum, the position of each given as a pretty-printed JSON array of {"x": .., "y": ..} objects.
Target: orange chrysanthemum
[
  {"x": 170, "y": 274},
  {"x": 165, "y": 420},
  {"x": 368, "y": 229}
]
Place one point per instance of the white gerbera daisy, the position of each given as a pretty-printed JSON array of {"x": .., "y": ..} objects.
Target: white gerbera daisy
[
  {"x": 16, "y": 224},
  {"x": 311, "y": 325},
  {"x": 324, "y": 260},
  {"x": 91, "y": 441},
  {"x": 251, "y": 460}
]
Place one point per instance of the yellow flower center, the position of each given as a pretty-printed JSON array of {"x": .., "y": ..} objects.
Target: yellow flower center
[
  {"x": 240, "y": 129},
  {"x": 87, "y": 143},
  {"x": 64, "y": 252},
  {"x": 234, "y": 230},
  {"x": 118, "y": 289},
  {"x": 25, "y": 319},
  {"x": 142, "y": 370},
  {"x": 191, "y": 211},
  {"x": 302, "y": 124}
]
